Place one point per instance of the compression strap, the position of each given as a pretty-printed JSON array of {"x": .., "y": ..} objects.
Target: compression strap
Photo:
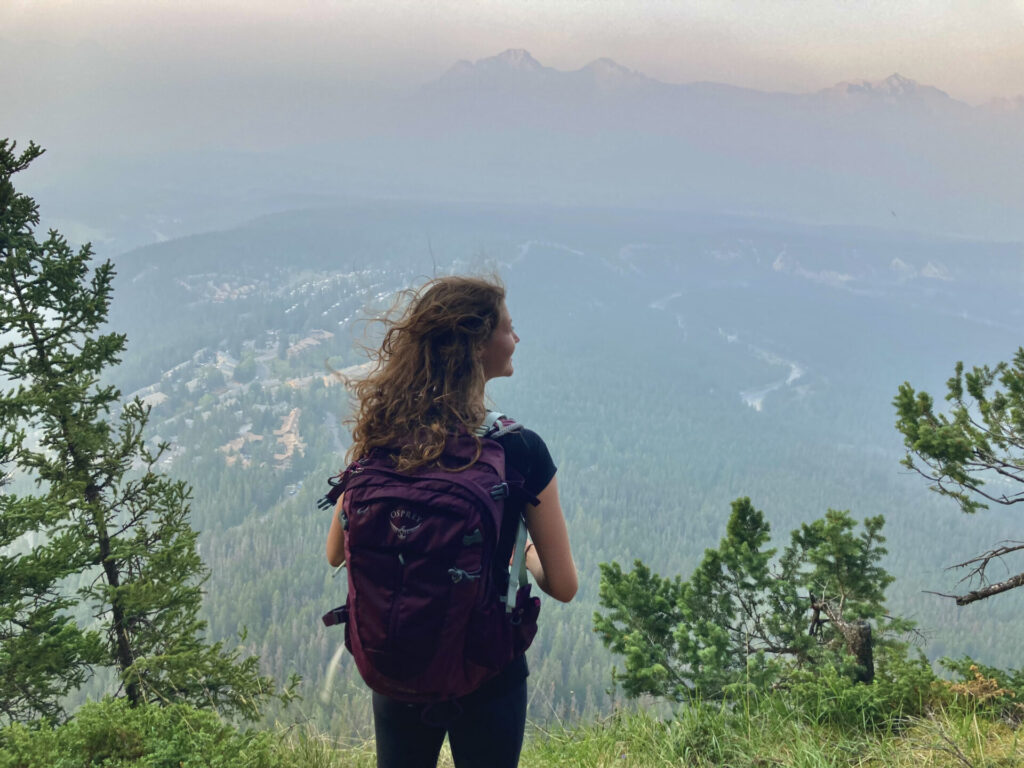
[
  {"x": 518, "y": 568},
  {"x": 517, "y": 574}
]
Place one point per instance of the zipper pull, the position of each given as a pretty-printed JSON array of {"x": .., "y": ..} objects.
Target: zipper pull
[{"x": 458, "y": 575}]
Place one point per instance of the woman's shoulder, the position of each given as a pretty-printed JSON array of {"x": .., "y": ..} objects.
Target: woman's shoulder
[{"x": 527, "y": 452}]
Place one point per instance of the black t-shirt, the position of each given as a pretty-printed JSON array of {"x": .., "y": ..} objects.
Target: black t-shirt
[
  {"x": 526, "y": 456},
  {"x": 527, "y": 453}
]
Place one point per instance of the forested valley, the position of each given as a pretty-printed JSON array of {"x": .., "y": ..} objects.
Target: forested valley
[{"x": 672, "y": 365}]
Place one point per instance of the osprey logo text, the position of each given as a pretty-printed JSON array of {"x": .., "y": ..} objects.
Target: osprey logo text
[{"x": 405, "y": 521}]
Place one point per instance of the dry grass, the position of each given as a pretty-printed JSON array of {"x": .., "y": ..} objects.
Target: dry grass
[{"x": 701, "y": 737}]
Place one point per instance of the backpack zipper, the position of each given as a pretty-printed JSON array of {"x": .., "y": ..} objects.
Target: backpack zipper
[
  {"x": 393, "y": 618},
  {"x": 457, "y": 575}
]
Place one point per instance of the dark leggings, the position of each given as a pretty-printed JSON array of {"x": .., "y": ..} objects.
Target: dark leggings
[{"x": 484, "y": 731}]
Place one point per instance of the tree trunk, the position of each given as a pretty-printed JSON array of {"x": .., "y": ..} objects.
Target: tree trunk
[
  {"x": 856, "y": 637},
  {"x": 860, "y": 645},
  {"x": 122, "y": 642}
]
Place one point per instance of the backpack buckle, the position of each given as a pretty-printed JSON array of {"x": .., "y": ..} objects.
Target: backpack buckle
[
  {"x": 500, "y": 491},
  {"x": 334, "y": 616}
]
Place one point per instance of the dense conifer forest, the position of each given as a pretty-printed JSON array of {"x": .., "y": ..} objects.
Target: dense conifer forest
[{"x": 672, "y": 365}]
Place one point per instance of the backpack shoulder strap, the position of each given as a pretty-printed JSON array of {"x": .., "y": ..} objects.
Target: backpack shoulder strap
[
  {"x": 492, "y": 418},
  {"x": 495, "y": 425}
]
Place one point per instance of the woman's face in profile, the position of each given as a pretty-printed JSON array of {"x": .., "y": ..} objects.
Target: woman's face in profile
[{"x": 497, "y": 352}]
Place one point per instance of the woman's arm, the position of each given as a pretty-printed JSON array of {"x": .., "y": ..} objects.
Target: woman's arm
[
  {"x": 549, "y": 560},
  {"x": 336, "y": 538}
]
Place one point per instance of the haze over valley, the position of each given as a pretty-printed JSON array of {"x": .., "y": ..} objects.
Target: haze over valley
[
  {"x": 893, "y": 153},
  {"x": 722, "y": 259},
  {"x": 673, "y": 362}
]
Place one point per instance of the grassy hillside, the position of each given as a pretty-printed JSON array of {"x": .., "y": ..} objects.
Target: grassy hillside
[
  {"x": 699, "y": 738},
  {"x": 966, "y": 734}
]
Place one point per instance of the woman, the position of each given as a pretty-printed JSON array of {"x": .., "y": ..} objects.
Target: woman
[{"x": 454, "y": 335}]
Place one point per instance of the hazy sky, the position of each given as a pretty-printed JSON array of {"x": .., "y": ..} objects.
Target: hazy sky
[
  {"x": 973, "y": 49},
  {"x": 262, "y": 96}
]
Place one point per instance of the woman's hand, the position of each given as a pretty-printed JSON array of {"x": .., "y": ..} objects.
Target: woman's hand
[{"x": 532, "y": 561}]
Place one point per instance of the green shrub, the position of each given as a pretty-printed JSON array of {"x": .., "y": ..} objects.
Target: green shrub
[
  {"x": 112, "y": 734},
  {"x": 903, "y": 688},
  {"x": 745, "y": 617}
]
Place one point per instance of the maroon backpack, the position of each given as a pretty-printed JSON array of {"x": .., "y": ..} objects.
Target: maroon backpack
[{"x": 428, "y": 616}]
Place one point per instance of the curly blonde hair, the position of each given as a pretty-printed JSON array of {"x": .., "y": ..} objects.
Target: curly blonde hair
[{"x": 428, "y": 378}]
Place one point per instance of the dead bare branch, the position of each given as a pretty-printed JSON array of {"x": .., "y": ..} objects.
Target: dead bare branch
[
  {"x": 991, "y": 589},
  {"x": 985, "y": 558},
  {"x": 940, "y": 594}
]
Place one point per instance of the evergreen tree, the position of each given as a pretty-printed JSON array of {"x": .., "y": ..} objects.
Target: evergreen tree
[
  {"x": 103, "y": 513},
  {"x": 975, "y": 454},
  {"x": 739, "y": 619},
  {"x": 44, "y": 654},
  {"x": 245, "y": 371}
]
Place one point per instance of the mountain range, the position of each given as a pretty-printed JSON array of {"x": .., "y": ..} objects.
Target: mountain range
[
  {"x": 516, "y": 68},
  {"x": 891, "y": 154}
]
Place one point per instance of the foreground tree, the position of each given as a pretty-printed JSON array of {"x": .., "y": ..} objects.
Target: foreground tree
[
  {"x": 974, "y": 454},
  {"x": 103, "y": 517},
  {"x": 44, "y": 654},
  {"x": 741, "y": 620}
]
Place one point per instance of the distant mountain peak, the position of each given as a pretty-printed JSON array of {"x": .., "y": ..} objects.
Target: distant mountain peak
[
  {"x": 515, "y": 64},
  {"x": 894, "y": 84},
  {"x": 515, "y": 58},
  {"x": 610, "y": 75},
  {"x": 517, "y": 68},
  {"x": 897, "y": 83},
  {"x": 894, "y": 87},
  {"x": 604, "y": 64}
]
